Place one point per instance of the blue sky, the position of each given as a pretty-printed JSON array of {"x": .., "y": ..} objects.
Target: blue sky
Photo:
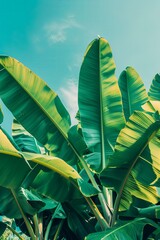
[{"x": 50, "y": 37}]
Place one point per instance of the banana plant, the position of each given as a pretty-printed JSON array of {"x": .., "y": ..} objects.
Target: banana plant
[{"x": 98, "y": 179}]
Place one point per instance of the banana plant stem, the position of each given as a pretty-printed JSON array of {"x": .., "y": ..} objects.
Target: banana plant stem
[
  {"x": 105, "y": 208},
  {"x": 35, "y": 221},
  {"x": 56, "y": 236},
  {"x": 102, "y": 222},
  {"x": 28, "y": 225},
  {"x": 50, "y": 222}
]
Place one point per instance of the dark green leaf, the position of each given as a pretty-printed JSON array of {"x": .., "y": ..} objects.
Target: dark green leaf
[
  {"x": 134, "y": 94},
  {"x": 130, "y": 230}
]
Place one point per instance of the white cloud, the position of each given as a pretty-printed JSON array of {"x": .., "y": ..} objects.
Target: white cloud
[
  {"x": 69, "y": 96},
  {"x": 77, "y": 59},
  {"x": 57, "y": 31}
]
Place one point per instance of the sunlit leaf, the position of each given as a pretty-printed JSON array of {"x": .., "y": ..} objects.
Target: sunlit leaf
[
  {"x": 136, "y": 149},
  {"x": 99, "y": 97},
  {"x": 35, "y": 106}
]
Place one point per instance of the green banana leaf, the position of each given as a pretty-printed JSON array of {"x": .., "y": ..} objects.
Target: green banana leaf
[
  {"x": 154, "y": 90},
  {"x": 70, "y": 184},
  {"x": 128, "y": 188},
  {"x": 49, "y": 204},
  {"x": 78, "y": 223},
  {"x": 24, "y": 140},
  {"x": 30, "y": 203},
  {"x": 35, "y": 106},
  {"x": 8, "y": 206},
  {"x": 133, "y": 92},
  {"x": 50, "y": 170},
  {"x": 136, "y": 149},
  {"x": 130, "y": 230},
  {"x": 13, "y": 170},
  {"x": 99, "y": 98},
  {"x": 77, "y": 140},
  {"x": 17, "y": 168},
  {"x": 152, "y": 212}
]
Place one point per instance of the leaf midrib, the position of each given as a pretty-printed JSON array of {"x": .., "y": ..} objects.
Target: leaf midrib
[
  {"x": 118, "y": 199},
  {"x": 123, "y": 226},
  {"x": 43, "y": 110},
  {"x": 128, "y": 96},
  {"x": 101, "y": 114}
]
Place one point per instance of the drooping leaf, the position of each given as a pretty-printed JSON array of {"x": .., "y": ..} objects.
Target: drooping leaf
[
  {"x": 136, "y": 149},
  {"x": 99, "y": 97},
  {"x": 70, "y": 184},
  {"x": 35, "y": 106},
  {"x": 29, "y": 202},
  {"x": 52, "y": 185},
  {"x": 13, "y": 167},
  {"x": 130, "y": 230},
  {"x": 133, "y": 92}
]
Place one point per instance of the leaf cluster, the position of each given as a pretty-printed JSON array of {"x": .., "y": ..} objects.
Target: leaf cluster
[{"x": 96, "y": 180}]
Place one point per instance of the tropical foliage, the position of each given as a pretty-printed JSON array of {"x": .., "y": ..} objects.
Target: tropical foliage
[{"x": 96, "y": 180}]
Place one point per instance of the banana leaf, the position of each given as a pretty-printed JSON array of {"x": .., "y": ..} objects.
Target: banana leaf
[
  {"x": 35, "y": 106},
  {"x": 8, "y": 206},
  {"x": 24, "y": 140},
  {"x": 136, "y": 149},
  {"x": 99, "y": 98},
  {"x": 133, "y": 92},
  {"x": 51, "y": 170},
  {"x": 77, "y": 140},
  {"x": 54, "y": 170},
  {"x": 130, "y": 230},
  {"x": 80, "y": 225},
  {"x": 30, "y": 203},
  {"x": 13, "y": 167},
  {"x": 154, "y": 90},
  {"x": 152, "y": 212}
]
